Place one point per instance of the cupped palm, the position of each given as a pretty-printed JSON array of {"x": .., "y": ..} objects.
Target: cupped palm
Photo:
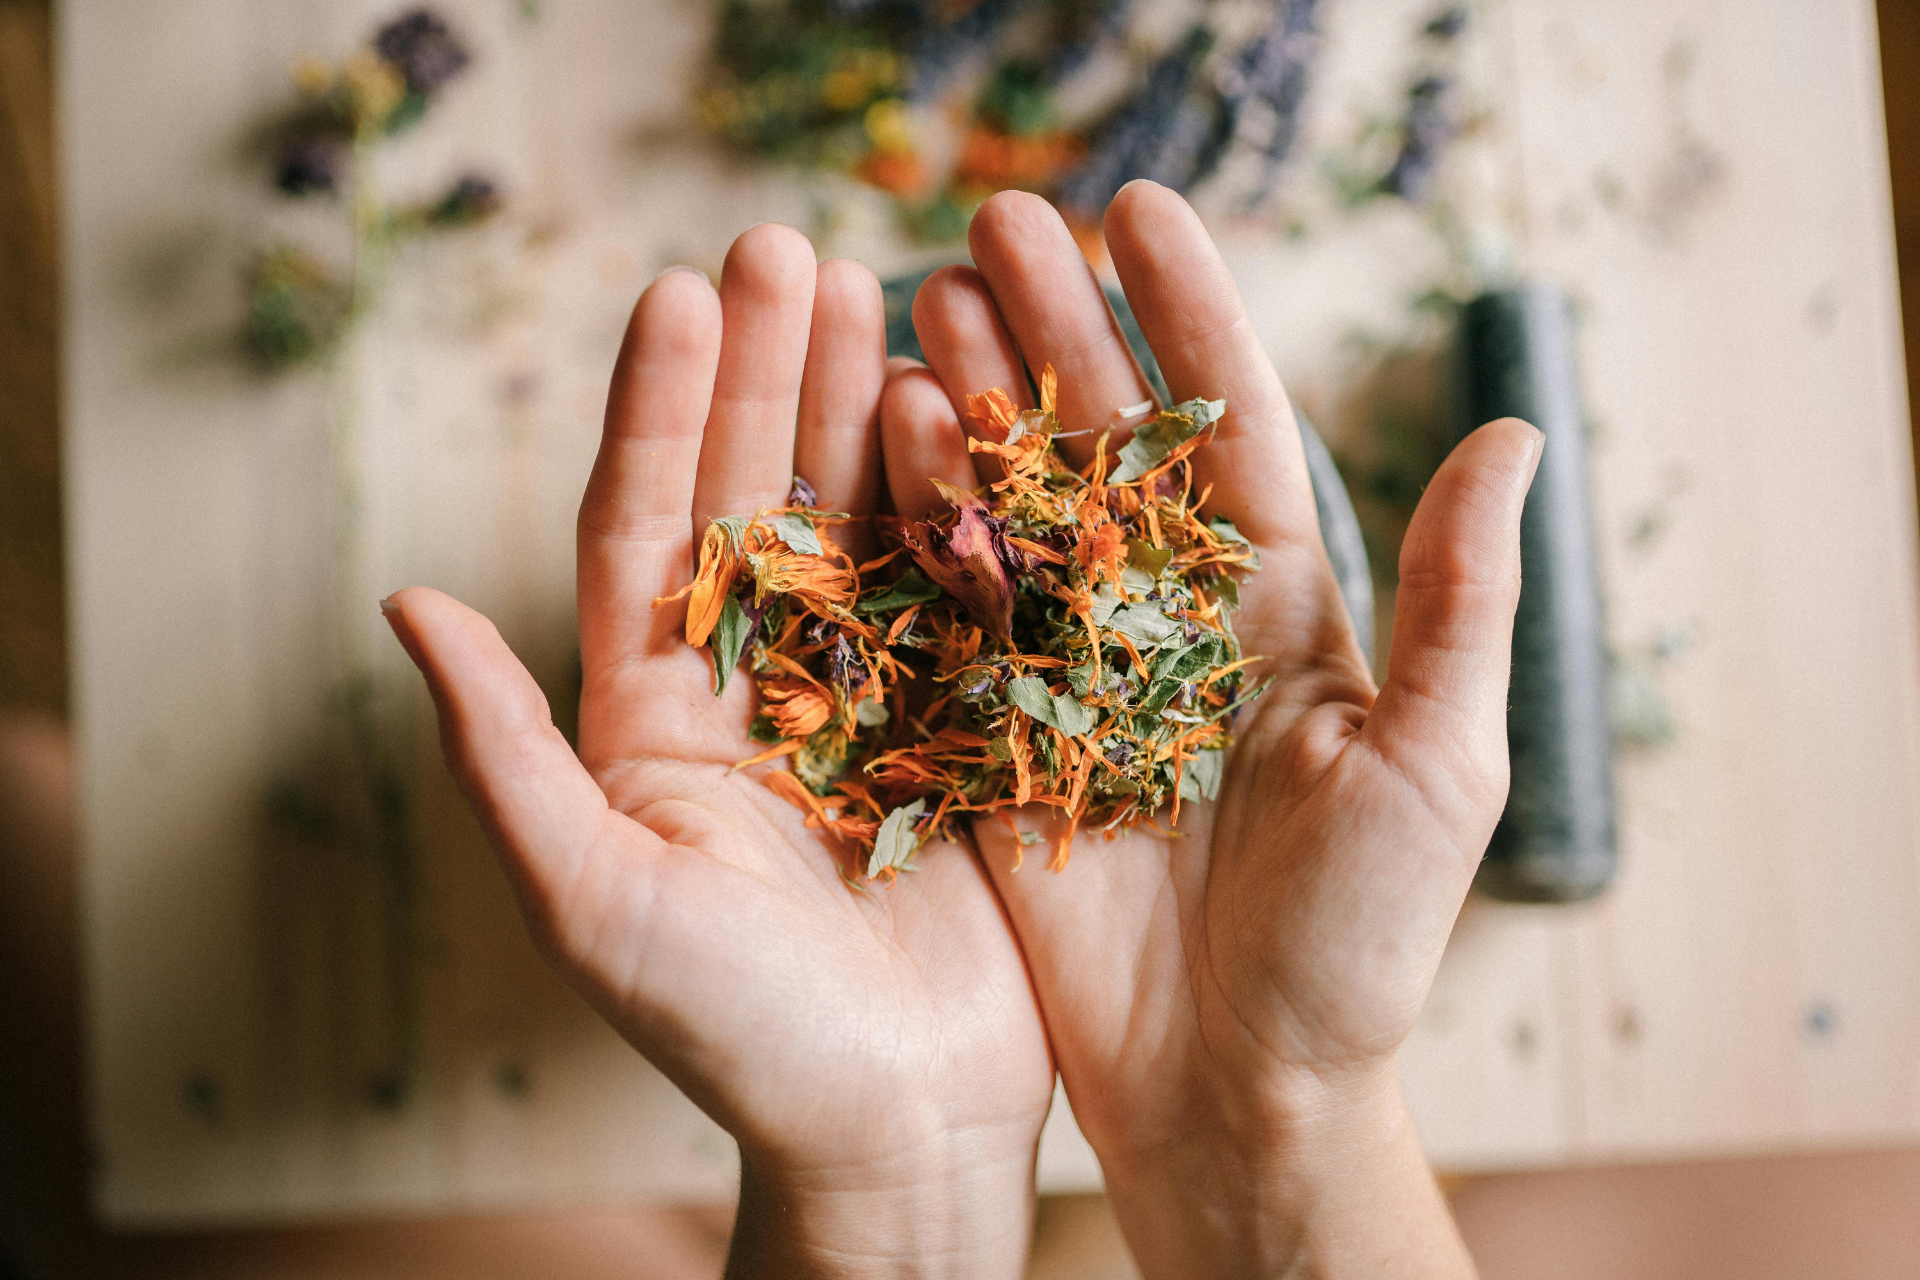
[{"x": 825, "y": 1027}]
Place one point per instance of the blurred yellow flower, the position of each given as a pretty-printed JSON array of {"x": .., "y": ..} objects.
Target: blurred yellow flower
[
  {"x": 374, "y": 88},
  {"x": 313, "y": 76},
  {"x": 844, "y": 89},
  {"x": 888, "y": 126}
]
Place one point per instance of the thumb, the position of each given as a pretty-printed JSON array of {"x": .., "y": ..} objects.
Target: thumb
[
  {"x": 1441, "y": 716},
  {"x": 541, "y": 808}
]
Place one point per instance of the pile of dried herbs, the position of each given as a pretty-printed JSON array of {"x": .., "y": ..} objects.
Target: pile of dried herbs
[{"x": 1057, "y": 638}]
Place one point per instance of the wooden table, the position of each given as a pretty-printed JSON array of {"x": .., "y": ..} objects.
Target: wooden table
[{"x": 1708, "y": 177}]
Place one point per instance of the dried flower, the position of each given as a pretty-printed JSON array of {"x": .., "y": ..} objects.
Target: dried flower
[
  {"x": 311, "y": 165},
  {"x": 374, "y": 93},
  {"x": 473, "y": 198},
  {"x": 1060, "y": 638},
  {"x": 424, "y": 50},
  {"x": 967, "y": 565},
  {"x": 296, "y": 308}
]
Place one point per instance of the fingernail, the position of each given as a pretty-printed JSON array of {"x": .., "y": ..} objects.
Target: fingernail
[
  {"x": 692, "y": 271},
  {"x": 1534, "y": 456},
  {"x": 403, "y": 633}
]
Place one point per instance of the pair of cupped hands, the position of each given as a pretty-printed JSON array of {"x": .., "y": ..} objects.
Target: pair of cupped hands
[{"x": 1223, "y": 1007}]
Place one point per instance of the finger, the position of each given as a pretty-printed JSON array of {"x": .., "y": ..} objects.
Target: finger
[
  {"x": 836, "y": 445},
  {"x": 968, "y": 346},
  {"x": 1054, "y": 308},
  {"x": 541, "y": 809},
  {"x": 1254, "y": 470},
  {"x": 921, "y": 441},
  {"x": 1191, "y": 315},
  {"x": 635, "y": 534},
  {"x": 766, "y": 298},
  {"x": 1441, "y": 717}
]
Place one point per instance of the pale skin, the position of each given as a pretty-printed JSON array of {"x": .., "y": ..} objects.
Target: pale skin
[{"x": 1223, "y": 1007}]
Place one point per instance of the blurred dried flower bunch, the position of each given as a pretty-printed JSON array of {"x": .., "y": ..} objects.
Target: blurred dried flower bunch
[
  {"x": 355, "y": 797},
  {"x": 298, "y": 306},
  {"x": 852, "y": 85}
]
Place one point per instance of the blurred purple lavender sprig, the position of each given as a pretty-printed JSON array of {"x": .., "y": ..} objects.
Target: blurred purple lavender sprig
[
  {"x": 1177, "y": 127},
  {"x": 1155, "y": 132},
  {"x": 1272, "y": 73}
]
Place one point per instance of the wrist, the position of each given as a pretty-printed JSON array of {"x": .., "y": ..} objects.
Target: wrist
[
  {"x": 955, "y": 1207},
  {"x": 1327, "y": 1181}
]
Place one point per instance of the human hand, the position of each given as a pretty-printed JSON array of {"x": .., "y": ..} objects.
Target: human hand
[
  {"x": 878, "y": 1055},
  {"x": 1225, "y": 1005}
]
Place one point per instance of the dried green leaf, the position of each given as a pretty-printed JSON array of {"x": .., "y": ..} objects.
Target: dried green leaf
[
  {"x": 1201, "y": 779},
  {"x": 1147, "y": 558},
  {"x": 897, "y": 841},
  {"x": 1185, "y": 663},
  {"x": 1145, "y": 624},
  {"x": 1153, "y": 441},
  {"x": 911, "y": 589},
  {"x": 730, "y": 635},
  {"x": 1029, "y": 693},
  {"x": 1225, "y": 529},
  {"x": 1080, "y": 678},
  {"x": 1106, "y": 598},
  {"x": 1072, "y": 717},
  {"x": 736, "y": 528},
  {"x": 797, "y": 532},
  {"x": 1159, "y": 694},
  {"x": 871, "y": 713},
  {"x": 1060, "y": 711}
]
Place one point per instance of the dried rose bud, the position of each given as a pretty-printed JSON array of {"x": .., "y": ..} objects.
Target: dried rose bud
[{"x": 967, "y": 566}]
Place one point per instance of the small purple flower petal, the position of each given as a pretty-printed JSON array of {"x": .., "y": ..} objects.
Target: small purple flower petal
[
  {"x": 311, "y": 166},
  {"x": 423, "y": 48}
]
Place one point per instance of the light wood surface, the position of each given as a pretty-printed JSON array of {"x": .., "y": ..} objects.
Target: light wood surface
[{"x": 1707, "y": 177}]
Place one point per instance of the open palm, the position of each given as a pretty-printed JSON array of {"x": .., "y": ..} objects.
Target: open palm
[
  {"x": 1199, "y": 986},
  {"x": 826, "y": 1029}
]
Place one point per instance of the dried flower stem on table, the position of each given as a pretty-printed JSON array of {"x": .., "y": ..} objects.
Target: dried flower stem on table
[{"x": 1060, "y": 638}]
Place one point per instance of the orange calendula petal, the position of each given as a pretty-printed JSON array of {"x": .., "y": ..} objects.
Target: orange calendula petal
[{"x": 786, "y": 748}]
